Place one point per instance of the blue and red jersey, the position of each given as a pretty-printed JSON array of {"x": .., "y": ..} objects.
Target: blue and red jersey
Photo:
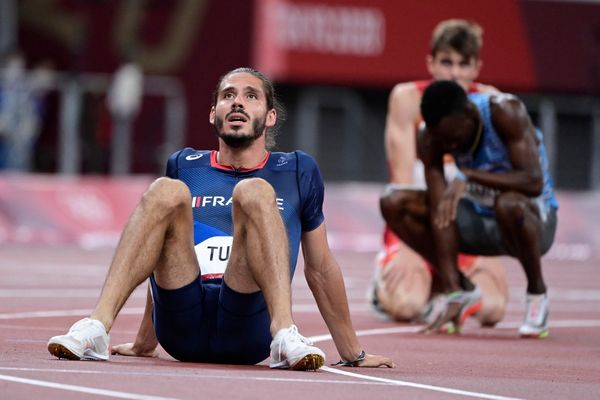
[{"x": 297, "y": 182}]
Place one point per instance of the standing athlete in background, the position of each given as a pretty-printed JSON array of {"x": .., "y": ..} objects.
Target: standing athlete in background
[
  {"x": 219, "y": 239},
  {"x": 404, "y": 284}
]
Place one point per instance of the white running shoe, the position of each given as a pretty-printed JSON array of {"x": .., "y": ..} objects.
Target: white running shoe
[
  {"x": 289, "y": 349},
  {"x": 86, "y": 340},
  {"x": 535, "y": 324}
]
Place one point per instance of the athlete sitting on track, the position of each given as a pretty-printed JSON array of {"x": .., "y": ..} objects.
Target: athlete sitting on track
[
  {"x": 508, "y": 205},
  {"x": 228, "y": 299},
  {"x": 402, "y": 285}
]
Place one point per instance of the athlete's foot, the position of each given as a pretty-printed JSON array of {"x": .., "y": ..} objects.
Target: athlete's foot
[
  {"x": 86, "y": 340},
  {"x": 535, "y": 324},
  {"x": 289, "y": 349}
]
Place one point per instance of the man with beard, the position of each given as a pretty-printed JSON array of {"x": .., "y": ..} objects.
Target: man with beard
[{"x": 228, "y": 298}]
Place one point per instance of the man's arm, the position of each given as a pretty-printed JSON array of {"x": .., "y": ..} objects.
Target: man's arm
[
  {"x": 145, "y": 341},
  {"x": 512, "y": 122},
  {"x": 400, "y": 142},
  {"x": 445, "y": 237},
  {"x": 325, "y": 280}
]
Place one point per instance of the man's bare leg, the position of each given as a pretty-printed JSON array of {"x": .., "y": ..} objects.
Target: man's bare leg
[
  {"x": 157, "y": 238},
  {"x": 260, "y": 258},
  {"x": 404, "y": 285},
  {"x": 521, "y": 225}
]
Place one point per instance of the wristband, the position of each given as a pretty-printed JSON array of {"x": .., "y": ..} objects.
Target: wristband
[{"x": 361, "y": 357}]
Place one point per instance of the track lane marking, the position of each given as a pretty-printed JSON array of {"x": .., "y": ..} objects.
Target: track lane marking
[
  {"x": 318, "y": 338},
  {"x": 572, "y": 323},
  {"x": 179, "y": 374},
  {"x": 308, "y": 308},
  {"x": 441, "y": 389},
  {"x": 82, "y": 389}
]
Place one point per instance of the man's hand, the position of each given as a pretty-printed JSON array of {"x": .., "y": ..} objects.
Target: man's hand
[
  {"x": 367, "y": 361},
  {"x": 375, "y": 361},
  {"x": 450, "y": 315},
  {"x": 446, "y": 210},
  {"x": 130, "y": 349}
]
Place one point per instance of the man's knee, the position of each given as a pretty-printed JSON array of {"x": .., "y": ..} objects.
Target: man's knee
[
  {"x": 405, "y": 300},
  {"x": 511, "y": 205},
  {"x": 253, "y": 194},
  {"x": 405, "y": 308},
  {"x": 167, "y": 194},
  {"x": 492, "y": 311},
  {"x": 401, "y": 305}
]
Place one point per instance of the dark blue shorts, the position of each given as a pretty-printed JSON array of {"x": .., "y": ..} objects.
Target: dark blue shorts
[
  {"x": 480, "y": 234},
  {"x": 210, "y": 322}
]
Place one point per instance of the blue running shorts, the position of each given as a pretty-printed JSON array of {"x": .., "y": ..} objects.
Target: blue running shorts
[{"x": 210, "y": 322}]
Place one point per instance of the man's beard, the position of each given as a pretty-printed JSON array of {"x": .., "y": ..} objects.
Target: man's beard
[{"x": 237, "y": 140}]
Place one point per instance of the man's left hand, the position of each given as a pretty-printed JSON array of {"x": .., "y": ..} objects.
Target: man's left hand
[{"x": 129, "y": 349}]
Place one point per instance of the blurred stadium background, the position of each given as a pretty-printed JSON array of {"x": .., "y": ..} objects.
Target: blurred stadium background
[{"x": 334, "y": 63}]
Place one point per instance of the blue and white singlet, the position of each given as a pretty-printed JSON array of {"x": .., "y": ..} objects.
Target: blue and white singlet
[{"x": 492, "y": 156}]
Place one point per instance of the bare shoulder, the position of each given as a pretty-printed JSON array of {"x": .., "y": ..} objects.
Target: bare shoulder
[
  {"x": 405, "y": 99},
  {"x": 510, "y": 116},
  {"x": 501, "y": 100},
  {"x": 506, "y": 102},
  {"x": 405, "y": 91}
]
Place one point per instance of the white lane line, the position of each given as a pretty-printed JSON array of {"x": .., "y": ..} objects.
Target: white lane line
[
  {"x": 58, "y": 293},
  {"x": 308, "y": 308},
  {"x": 565, "y": 323},
  {"x": 414, "y": 329},
  {"x": 466, "y": 393},
  {"x": 234, "y": 376},
  {"x": 301, "y": 293},
  {"x": 320, "y": 338},
  {"x": 573, "y": 323},
  {"x": 62, "y": 313},
  {"x": 370, "y": 332},
  {"x": 82, "y": 389}
]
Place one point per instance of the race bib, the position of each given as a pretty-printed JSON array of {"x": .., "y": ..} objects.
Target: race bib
[
  {"x": 483, "y": 195},
  {"x": 213, "y": 255}
]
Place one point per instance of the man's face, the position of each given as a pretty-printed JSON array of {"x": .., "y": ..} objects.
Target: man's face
[
  {"x": 448, "y": 64},
  {"x": 240, "y": 115},
  {"x": 454, "y": 132}
]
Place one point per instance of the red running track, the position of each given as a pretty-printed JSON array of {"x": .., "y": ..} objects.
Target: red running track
[{"x": 43, "y": 290}]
